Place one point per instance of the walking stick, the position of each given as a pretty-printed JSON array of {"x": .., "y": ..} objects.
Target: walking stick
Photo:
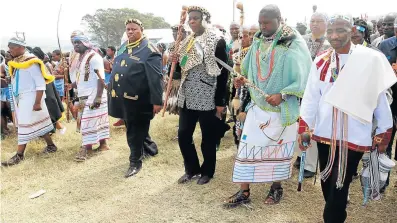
[
  {"x": 315, "y": 175},
  {"x": 173, "y": 66},
  {"x": 305, "y": 142},
  {"x": 63, "y": 64},
  {"x": 301, "y": 170},
  {"x": 236, "y": 100}
]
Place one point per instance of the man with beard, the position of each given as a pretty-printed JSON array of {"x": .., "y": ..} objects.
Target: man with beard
[
  {"x": 317, "y": 43},
  {"x": 92, "y": 97},
  {"x": 389, "y": 49},
  {"x": 341, "y": 114},
  {"x": 29, "y": 79},
  {"x": 270, "y": 129}
]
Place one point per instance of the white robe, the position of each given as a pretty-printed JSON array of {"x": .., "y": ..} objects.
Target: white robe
[
  {"x": 94, "y": 122},
  {"x": 31, "y": 124}
]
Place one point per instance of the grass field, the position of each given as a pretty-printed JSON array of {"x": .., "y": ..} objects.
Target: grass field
[{"x": 96, "y": 190}]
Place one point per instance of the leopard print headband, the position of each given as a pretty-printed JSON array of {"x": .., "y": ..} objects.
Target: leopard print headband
[{"x": 206, "y": 14}]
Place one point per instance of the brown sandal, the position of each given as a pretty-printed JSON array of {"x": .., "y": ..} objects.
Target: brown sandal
[
  {"x": 82, "y": 155},
  {"x": 50, "y": 149},
  {"x": 274, "y": 196}
]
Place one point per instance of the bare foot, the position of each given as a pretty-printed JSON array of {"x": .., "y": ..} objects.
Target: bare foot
[{"x": 102, "y": 148}]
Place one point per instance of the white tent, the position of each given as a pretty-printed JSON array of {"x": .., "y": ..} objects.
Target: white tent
[{"x": 155, "y": 36}]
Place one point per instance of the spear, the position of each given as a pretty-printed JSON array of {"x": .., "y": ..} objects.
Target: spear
[
  {"x": 65, "y": 70},
  {"x": 173, "y": 66}
]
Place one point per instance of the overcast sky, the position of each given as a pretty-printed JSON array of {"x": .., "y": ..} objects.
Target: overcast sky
[{"x": 40, "y": 24}]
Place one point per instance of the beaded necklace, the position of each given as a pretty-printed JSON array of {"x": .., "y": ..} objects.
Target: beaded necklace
[{"x": 271, "y": 50}]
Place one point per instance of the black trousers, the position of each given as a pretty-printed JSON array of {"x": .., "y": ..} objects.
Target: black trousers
[
  {"x": 336, "y": 199},
  {"x": 187, "y": 124},
  {"x": 221, "y": 128},
  {"x": 138, "y": 140},
  {"x": 389, "y": 151}
]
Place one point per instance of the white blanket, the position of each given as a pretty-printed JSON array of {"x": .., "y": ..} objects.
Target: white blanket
[{"x": 364, "y": 77}]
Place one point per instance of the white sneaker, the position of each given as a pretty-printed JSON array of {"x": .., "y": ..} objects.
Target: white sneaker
[{"x": 62, "y": 131}]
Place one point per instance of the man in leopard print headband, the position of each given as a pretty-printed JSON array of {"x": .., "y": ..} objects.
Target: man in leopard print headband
[{"x": 201, "y": 96}]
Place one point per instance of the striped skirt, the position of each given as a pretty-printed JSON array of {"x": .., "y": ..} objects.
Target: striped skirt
[
  {"x": 31, "y": 124},
  {"x": 95, "y": 122},
  {"x": 265, "y": 150}
]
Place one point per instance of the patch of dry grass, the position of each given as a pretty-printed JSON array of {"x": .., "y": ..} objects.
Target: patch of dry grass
[{"x": 96, "y": 190}]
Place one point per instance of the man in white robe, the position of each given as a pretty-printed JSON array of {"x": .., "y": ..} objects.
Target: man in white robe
[
  {"x": 29, "y": 79},
  {"x": 345, "y": 91},
  {"x": 88, "y": 79}
]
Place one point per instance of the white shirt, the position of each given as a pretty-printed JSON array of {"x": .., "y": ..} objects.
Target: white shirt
[
  {"x": 85, "y": 88},
  {"x": 378, "y": 40},
  {"x": 318, "y": 114},
  {"x": 30, "y": 79}
]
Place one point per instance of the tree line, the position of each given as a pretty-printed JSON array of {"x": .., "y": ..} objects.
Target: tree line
[{"x": 106, "y": 26}]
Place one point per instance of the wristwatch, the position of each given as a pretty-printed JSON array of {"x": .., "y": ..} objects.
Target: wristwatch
[{"x": 284, "y": 97}]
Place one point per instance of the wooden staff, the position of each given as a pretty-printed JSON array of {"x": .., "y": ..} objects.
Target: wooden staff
[
  {"x": 176, "y": 50},
  {"x": 64, "y": 66},
  {"x": 236, "y": 100}
]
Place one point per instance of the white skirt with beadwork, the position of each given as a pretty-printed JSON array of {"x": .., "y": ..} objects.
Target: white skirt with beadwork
[{"x": 265, "y": 150}]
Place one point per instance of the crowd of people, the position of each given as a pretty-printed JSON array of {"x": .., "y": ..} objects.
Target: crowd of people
[{"x": 325, "y": 93}]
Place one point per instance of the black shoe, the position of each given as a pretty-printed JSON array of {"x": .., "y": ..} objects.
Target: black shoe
[
  {"x": 382, "y": 190},
  {"x": 203, "y": 180},
  {"x": 297, "y": 163},
  {"x": 308, "y": 174},
  {"x": 187, "y": 178},
  {"x": 133, "y": 170},
  {"x": 17, "y": 158},
  {"x": 230, "y": 120}
]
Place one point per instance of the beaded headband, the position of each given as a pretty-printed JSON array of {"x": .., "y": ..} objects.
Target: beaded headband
[
  {"x": 346, "y": 18},
  {"x": 360, "y": 28},
  {"x": 202, "y": 10},
  {"x": 17, "y": 41},
  {"x": 135, "y": 21}
]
